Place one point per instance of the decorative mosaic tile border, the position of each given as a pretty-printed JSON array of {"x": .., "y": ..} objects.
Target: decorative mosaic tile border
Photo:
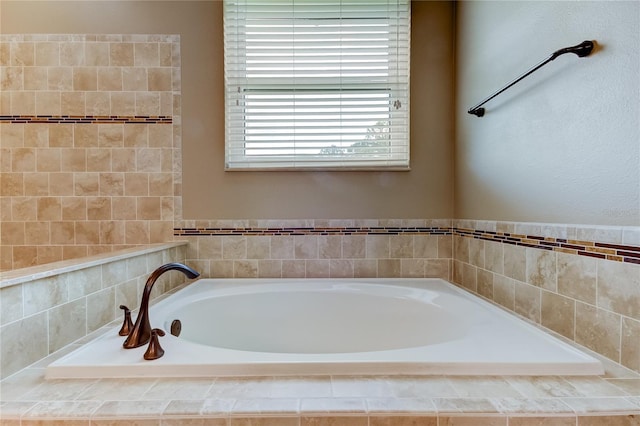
[
  {"x": 368, "y": 230},
  {"x": 600, "y": 250},
  {"x": 87, "y": 119},
  {"x": 608, "y": 251}
]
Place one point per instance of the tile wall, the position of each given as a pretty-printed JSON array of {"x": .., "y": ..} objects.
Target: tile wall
[
  {"x": 49, "y": 308},
  {"x": 581, "y": 282},
  {"x": 409, "y": 248},
  {"x": 89, "y": 144}
]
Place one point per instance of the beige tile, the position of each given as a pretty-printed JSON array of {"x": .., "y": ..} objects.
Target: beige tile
[
  {"x": 96, "y": 54},
  {"x": 22, "y": 54},
  {"x": 577, "y": 277},
  {"x": 109, "y": 79},
  {"x": 97, "y": 103},
  {"x": 37, "y": 233},
  {"x": 543, "y": 421},
  {"x": 44, "y": 293},
  {"x": 269, "y": 268},
  {"x": 527, "y": 301},
  {"x": 515, "y": 262},
  {"x": 86, "y": 184},
  {"x": 494, "y": 257},
  {"x": 403, "y": 421},
  {"x": 59, "y": 78},
  {"x": 22, "y": 208},
  {"x": 264, "y": 421},
  {"x": 464, "y": 405},
  {"x": 123, "y": 103},
  {"x": 401, "y": 246},
  {"x": 134, "y": 79},
  {"x": 472, "y": 421},
  {"x": 136, "y": 135},
  {"x": 532, "y": 406},
  {"x": 329, "y": 246},
  {"x": 65, "y": 410},
  {"x": 282, "y": 247},
  {"x": 35, "y": 78},
  {"x": 266, "y": 407},
  {"x": 22, "y": 103},
  {"x": 365, "y": 268},
  {"x": 598, "y": 330},
  {"x": 317, "y": 268},
  {"x": 22, "y": 343},
  {"x": 504, "y": 291},
  {"x": 67, "y": 323},
  {"x": 36, "y": 135},
  {"x": 85, "y": 135},
  {"x": 543, "y": 387},
  {"x": 461, "y": 248},
  {"x": 620, "y": 420},
  {"x": 110, "y": 135},
  {"x": 619, "y": 288},
  {"x": 380, "y": 406},
  {"x": 389, "y": 268},
  {"x": 160, "y": 136},
  {"x": 85, "y": 79},
  {"x": 121, "y": 391},
  {"x": 341, "y": 268},
  {"x": 377, "y": 246},
  {"x": 73, "y": 159},
  {"x": 485, "y": 387},
  {"x": 558, "y": 313},
  {"x": 121, "y": 54},
  {"x": 476, "y": 252},
  {"x": 630, "y": 350},
  {"x": 10, "y": 304},
  {"x": 128, "y": 422},
  {"x": 87, "y": 232},
  {"x": 159, "y": 79},
  {"x": 146, "y": 54},
  {"x": 61, "y": 135},
  {"x": 437, "y": 268},
  {"x": 306, "y": 247},
  {"x": 72, "y": 53},
  {"x": 72, "y": 103},
  {"x": 12, "y": 78},
  {"x": 541, "y": 268},
  {"x": 111, "y": 184},
  {"x": 274, "y": 387},
  {"x": 592, "y": 387},
  {"x": 147, "y": 103},
  {"x": 179, "y": 421},
  {"x": 468, "y": 276}
]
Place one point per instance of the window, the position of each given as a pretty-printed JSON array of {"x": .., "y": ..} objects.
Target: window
[{"x": 316, "y": 84}]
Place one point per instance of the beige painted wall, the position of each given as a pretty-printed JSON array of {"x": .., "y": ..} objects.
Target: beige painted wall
[
  {"x": 564, "y": 144},
  {"x": 211, "y": 193}
]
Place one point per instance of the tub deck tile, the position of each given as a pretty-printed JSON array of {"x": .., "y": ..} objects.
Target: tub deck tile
[{"x": 331, "y": 400}]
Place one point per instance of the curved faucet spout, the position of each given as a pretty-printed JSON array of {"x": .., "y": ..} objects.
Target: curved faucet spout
[{"x": 141, "y": 332}]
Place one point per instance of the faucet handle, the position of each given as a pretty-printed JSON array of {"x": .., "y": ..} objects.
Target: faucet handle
[
  {"x": 154, "y": 351},
  {"x": 127, "y": 324}
]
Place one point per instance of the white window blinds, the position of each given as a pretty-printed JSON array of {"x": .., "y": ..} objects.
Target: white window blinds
[{"x": 320, "y": 84}]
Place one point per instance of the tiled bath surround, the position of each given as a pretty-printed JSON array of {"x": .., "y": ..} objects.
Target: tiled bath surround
[
  {"x": 317, "y": 248},
  {"x": 43, "y": 309},
  {"x": 581, "y": 282},
  {"x": 89, "y": 144}
]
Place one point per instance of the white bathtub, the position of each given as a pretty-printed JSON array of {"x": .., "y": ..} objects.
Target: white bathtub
[{"x": 330, "y": 327}]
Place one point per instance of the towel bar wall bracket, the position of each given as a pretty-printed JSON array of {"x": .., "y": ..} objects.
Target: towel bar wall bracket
[{"x": 583, "y": 49}]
